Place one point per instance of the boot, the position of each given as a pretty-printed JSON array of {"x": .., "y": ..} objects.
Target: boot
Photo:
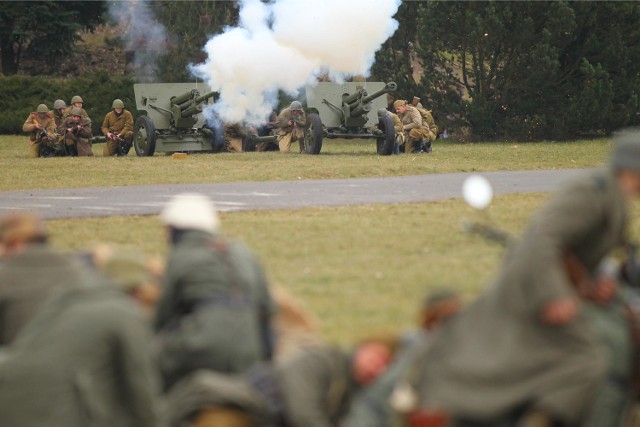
[{"x": 427, "y": 147}]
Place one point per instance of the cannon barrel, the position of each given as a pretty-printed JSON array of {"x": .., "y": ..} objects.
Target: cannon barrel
[
  {"x": 205, "y": 97},
  {"x": 181, "y": 99},
  {"x": 389, "y": 87},
  {"x": 354, "y": 97}
]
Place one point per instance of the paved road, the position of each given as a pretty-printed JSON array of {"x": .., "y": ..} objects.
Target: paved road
[{"x": 149, "y": 199}]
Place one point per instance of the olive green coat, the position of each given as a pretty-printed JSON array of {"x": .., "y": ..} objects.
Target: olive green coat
[
  {"x": 498, "y": 354},
  {"x": 27, "y": 279},
  {"x": 84, "y": 360},
  {"x": 216, "y": 309},
  {"x": 119, "y": 124},
  {"x": 317, "y": 386},
  {"x": 79, "y": 137}
]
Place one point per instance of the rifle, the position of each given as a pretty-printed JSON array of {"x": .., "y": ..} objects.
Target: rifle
[{"x": 123, "y": 146}]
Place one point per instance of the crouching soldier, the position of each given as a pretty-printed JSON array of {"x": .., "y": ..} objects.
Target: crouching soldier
[
  {"x": 397, "y": 126},
  {"x": 416, "y": 133},
  {"x": 41, "y": 126},
  {"x": 118, "y": 128},
  {"x": 77, "y": 133},
  {"x": 290, "y": 123}
]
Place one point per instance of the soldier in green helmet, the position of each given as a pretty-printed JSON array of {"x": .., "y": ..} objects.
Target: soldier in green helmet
[
  {"x": 76, "y": 102},
  {"x": 59, "y": 108},
  {"x": 290, "y": 123},
  {"x": 41, "y": 127},
  {"x": 77, "y": 133},
  {"x": 118, "y": 128}
]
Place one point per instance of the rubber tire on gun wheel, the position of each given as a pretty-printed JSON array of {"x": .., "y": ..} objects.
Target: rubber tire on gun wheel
[
  {"x": 144, "y": 136},
  {"x": 313, "y": 134},
  {"x": 384, "y": 145}
]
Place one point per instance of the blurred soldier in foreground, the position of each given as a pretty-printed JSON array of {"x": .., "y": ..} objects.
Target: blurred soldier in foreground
[
  {"x": 372, "y": 407},
  {"x": 291, "y": 122},
  {"x": 117, "y": 126},
  {"x": 77, "y": 134},
  {"x": 525, "y": 349},
  {"x": 76, "y": 102},
  {"x": 41, "y": 126},
  {"x": 216, "y": 309},
  {"x": 414, "y": 129},
  {"x": 29, "y": 271}
]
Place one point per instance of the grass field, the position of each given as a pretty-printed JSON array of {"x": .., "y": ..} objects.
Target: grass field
[
  {"x": 360, "y": 269},
  {"x": 339, "y": 159}
]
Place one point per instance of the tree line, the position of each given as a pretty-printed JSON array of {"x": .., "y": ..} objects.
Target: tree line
[{"x": 503, "y": 70}]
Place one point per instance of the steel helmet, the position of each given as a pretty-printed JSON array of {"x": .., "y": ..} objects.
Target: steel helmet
[
  {"x": 42, "y": 108},
  {"x": 191, "y": 211},
  {"x": 76, "y": 112},
  {"x": 76, "y": 99},
  {"x": 382, "y": 112},
  {"x": 626, "y": 154},
  {"x": 295, "y": 105},
  {"x": 58, "y": 104},
  {"x": 117, "y": 103}
]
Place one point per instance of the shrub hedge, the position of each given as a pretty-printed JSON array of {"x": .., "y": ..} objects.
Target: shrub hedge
[{"x": 20, "y": 95}]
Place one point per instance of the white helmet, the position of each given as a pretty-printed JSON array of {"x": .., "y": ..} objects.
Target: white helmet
[{"x": 191, "y": 211}]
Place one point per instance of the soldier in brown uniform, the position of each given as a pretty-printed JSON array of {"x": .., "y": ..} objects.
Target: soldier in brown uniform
[
  {"x": 397, "y": 125},
  {"x": 525, "y": 347},
  {"x": 415, "y": 130},
  {"x": 118, "y": 128},
  {"x": 76, "y": 102},
  {"x": 77, "y": 133},
  {"x": 41, "y": 126},
  {"x": 291, "y": 122},
  {"x": 59, "y": 108}
]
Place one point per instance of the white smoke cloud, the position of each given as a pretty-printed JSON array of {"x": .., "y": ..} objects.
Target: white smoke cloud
[
  {"x": 143, "y": 35},
  {"x": 286, "y": 44}
]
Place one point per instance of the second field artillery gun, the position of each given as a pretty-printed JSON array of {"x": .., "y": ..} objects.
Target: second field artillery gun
[
  {"x": 173, "y": 120},
  {"x": 347, "y": 109}
]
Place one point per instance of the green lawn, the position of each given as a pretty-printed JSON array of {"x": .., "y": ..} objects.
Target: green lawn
[
  {"x": 360, "y": 269},
  {"x": 339, "y": 159}
]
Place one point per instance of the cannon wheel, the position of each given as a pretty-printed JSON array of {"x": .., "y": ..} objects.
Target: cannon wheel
[
  {"x": 313, "y": 134},
  {"x": 144, "y": 137},
  {"x": 384, "y": 144}
]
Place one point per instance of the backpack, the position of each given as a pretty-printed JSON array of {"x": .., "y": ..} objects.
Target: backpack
[{"x": 427, "y": 120}]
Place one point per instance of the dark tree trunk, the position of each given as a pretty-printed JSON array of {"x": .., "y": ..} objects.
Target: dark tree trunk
[{"x": 7, "y": 57}]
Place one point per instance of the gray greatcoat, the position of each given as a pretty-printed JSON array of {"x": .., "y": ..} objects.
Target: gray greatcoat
[
  {"x": 216, "y": 308},
  {"x": 498, "y": 355},
  {"x": 84, "y": 360}
]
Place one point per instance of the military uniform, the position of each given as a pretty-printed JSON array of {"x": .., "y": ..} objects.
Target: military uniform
[
  {"x": 288, "y": 133},
  {"x": 413, "y": 128},
  {"x": 317, "y": 386},
  {"x": 498, "y": 355},
  {"x": 234, "y": 134},
  {"x": 214, "y": 293},
  {"x": 67, "y": 112},
  {"x": 83, "y": 360},
  {"x": 27, "y": 279},
  {"x": 78, "y": 141},
  {"x": 36, "y": 140},
  {"x": 120, "y": 124}
]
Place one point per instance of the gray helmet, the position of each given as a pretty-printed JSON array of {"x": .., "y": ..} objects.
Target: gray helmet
[
  {"x": 76, "y": 112},
  {"x": 42, "y": 108},
  {"x": 117, "y": 103},
  {"x": 382, "y": 112},
  {"x": 58, "y": 104},
  {"x": 626, "y": 153},
  {"x": 76, "y": 99},
  {"x": 295, "y": 105}
]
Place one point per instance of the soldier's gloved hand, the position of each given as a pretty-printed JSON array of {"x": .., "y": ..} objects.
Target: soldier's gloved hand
[{"x": 559, "y": 311}]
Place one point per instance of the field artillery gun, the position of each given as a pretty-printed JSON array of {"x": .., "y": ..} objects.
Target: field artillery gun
[
  {"x": 173, "y": 120},
  {"x": 347, "y": 109},
  {"x": 311, "y": 141}
]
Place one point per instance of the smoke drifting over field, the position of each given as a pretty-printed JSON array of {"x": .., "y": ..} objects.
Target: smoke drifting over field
[
  {"x": 287, "y": 44},
  {"x": 144, "y": 36}
]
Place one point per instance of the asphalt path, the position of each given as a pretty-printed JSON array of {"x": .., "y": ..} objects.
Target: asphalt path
[{"x": 149, "y": 199}]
